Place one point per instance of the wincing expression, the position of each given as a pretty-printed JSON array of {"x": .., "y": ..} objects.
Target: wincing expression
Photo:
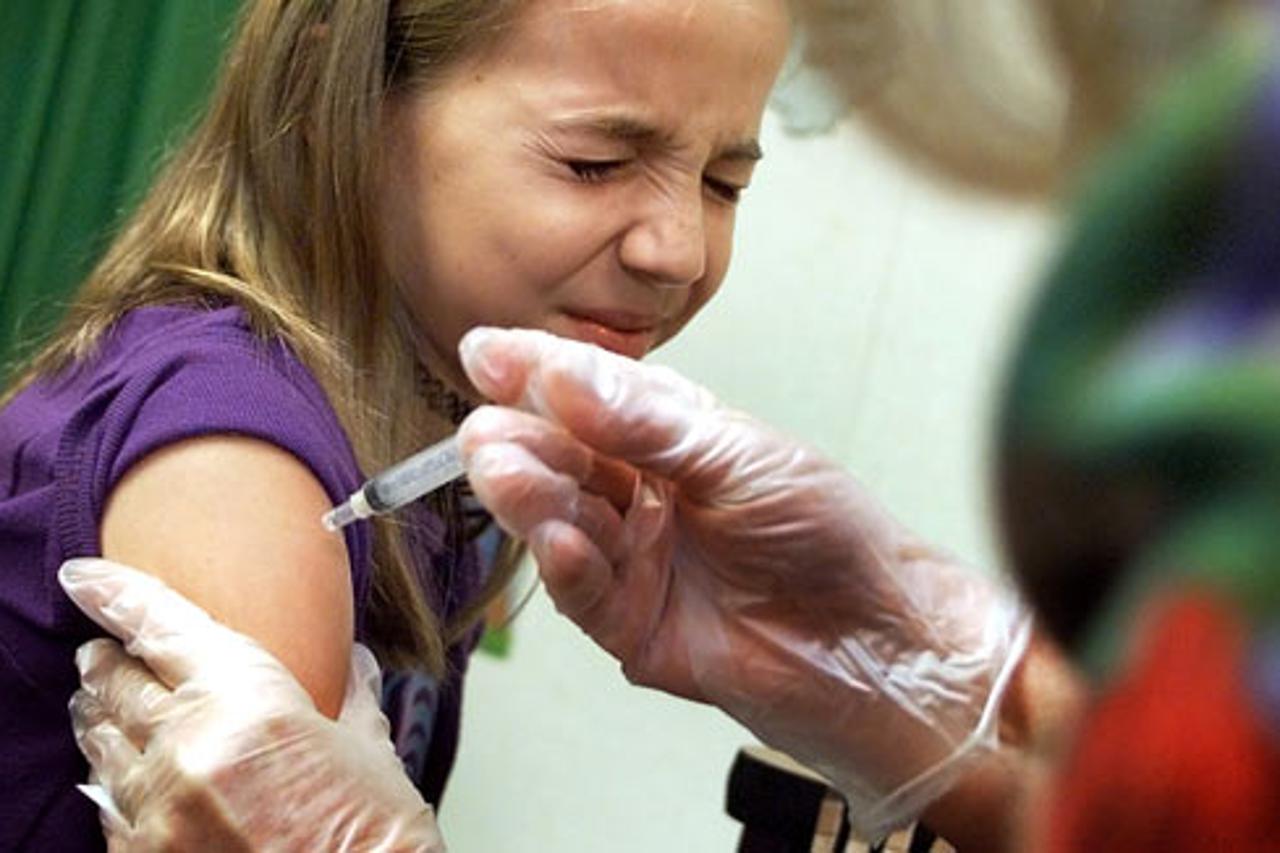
[{"x": 581, "y": 175}]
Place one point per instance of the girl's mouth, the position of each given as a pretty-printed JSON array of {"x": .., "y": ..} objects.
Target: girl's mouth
[{"x": 625, "y": 334}]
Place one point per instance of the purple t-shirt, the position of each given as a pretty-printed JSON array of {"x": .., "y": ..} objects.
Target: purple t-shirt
[{"x": 163, "y": 374}]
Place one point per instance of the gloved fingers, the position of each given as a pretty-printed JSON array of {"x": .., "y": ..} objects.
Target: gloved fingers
[
  {"x": 167, "y": 810},
  {"x": 532, "y": 495},
  {"x": 171, "y": 635},
  {"x": 550, "y": 443},
  {"x": 109, "y": 751},
  {"x": 582, "y": 583},
  {"x": 522, "y": 493},
  {"x": 519, "y": 489},
  {"x": 115, "y": 827},
  {"x": 126, "y": 691},
  {"x": 554, "y": 446},
  {"x": 120, "y": 838},
  {"x": 642, "y": 414},
  {"x": 362, "y": 709}
]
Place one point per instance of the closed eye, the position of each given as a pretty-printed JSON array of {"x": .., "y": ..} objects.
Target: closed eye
[
  {"x": 726, "y": 191},
  {"x": 594, "y": 171}
]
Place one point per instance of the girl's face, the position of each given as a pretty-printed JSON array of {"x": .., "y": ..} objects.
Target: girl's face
[{"x": 581, "y": 176}]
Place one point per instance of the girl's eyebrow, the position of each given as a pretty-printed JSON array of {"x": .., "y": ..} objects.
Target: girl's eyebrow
[
  {"x": 617, "y": 127},
  {"x": 629, "y": 129}
]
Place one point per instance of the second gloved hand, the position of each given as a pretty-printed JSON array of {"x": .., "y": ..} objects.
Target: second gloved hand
[
  {"x": 723, "y": 562},
  {"x": 205, "y": 741}
]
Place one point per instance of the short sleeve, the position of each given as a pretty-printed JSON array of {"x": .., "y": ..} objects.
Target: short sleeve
[{"x": 202, "y": 376}]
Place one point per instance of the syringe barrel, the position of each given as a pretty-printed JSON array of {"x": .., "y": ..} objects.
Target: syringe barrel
[{"x": 414, "y": 477}]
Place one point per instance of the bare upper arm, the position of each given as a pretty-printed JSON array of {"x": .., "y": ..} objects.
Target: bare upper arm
[{"x": 233, "y": 524}]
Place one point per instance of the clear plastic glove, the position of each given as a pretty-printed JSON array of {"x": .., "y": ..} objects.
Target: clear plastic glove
[
  {"x": 720, "y": 561},
  {"x": 203, "y": 740}
]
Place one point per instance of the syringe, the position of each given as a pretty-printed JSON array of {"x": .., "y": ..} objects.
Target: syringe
[{"x": 406, "y": 481}]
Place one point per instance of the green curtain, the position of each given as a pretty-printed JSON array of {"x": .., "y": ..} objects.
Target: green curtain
[{"x": 91, "y": 91}]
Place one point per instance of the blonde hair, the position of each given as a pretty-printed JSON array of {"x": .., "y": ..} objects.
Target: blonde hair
[
  {"x": 269, "y": 204},
  {"x": 1010, "y": 95}
]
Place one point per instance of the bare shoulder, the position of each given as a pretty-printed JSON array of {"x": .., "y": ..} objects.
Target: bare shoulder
[{"x": 233, "y": 523}]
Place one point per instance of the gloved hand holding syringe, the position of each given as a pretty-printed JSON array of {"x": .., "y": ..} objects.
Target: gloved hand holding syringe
[{"x": 402, "y": 483}]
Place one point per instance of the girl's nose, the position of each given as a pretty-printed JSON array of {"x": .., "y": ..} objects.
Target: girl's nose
[{"x": 667, "y": 244}]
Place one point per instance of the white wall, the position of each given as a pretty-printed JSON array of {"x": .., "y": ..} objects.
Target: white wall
[{"x": 867, "y": 312}]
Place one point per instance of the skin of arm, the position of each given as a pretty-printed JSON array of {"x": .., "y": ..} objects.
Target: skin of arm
[
  {"x": 997, "y": 806},
  {"x": 233, "y": 524}
]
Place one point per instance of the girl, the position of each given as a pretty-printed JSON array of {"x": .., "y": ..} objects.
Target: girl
[{"x": 280, "y": 319}]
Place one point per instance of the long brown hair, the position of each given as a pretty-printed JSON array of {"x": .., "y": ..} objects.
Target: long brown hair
[
  {"x": 1010, "y": 95},
  {"x": 269, "y": 204}
]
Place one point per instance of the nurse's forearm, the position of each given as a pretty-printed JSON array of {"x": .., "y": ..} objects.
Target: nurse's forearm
[{"x": 992, "y": 807}]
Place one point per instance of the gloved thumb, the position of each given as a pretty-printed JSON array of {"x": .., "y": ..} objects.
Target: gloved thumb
[
  {"x": 175, "y": 638},
  {"x": 646, "y": 415}
]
